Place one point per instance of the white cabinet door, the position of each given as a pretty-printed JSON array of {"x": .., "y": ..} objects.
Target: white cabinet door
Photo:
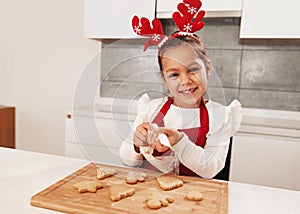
[
  {"x": 97, "y": 144},
  {"x": 106, "y": 19},
  {"x": 266, "y": 160},
  {"x": 265, "y": 19},
  {"x": 213, "y": 8}
]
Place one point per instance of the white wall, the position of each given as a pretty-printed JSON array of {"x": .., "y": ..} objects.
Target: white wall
[{"x": 42, "y": 53}]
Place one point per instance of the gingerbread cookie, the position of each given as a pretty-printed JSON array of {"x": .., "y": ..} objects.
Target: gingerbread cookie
[
  {"x": 134, "y": 177},
  {"x": 120, "y": 191},
  {"x": 194, "y": 195},
  {"x": 105, "y": 172},
  {"x": 88, "y": 186},
  {"x": 156, "y": 200},
  {"x": 169, "y": 182}
]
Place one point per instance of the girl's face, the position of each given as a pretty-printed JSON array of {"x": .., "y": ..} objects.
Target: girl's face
[{"x": 184, "y": 75}]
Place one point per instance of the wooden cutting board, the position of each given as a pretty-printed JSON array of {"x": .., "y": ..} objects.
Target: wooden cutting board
[{"x": 62, "y": 196}]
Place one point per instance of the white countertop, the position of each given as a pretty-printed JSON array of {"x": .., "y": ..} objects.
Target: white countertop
[{"x": 23, "y": 174}]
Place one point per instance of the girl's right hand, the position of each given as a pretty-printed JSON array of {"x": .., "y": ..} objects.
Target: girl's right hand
[{"x": 140, "y": 134}]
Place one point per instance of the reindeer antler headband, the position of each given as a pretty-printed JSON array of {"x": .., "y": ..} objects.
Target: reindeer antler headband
[{"x": 188, "y": 10}]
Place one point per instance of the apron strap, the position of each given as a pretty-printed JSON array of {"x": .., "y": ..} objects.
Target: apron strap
[{"x": 163, "y": 111}]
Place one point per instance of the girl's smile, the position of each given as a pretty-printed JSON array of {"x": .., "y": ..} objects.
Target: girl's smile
[
  {"x": 184, "y": 75},
  {"x": 189, "y": 92}
]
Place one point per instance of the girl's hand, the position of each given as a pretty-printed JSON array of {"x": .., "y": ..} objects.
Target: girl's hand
[
  {"x": 173, "y": 135},
  {"x": 140, "y": 134},
  {"x": 159, "y": 147}
]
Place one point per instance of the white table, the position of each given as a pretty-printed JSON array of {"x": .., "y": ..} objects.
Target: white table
[{"x": 23, "y": 174}]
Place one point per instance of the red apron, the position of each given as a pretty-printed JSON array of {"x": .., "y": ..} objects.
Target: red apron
[{"x": 196, "y": 135}]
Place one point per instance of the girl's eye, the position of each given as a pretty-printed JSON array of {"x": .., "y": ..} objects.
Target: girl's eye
[
  {"x": 194, "y": 69},
  {"x": 173, "y": 75}
]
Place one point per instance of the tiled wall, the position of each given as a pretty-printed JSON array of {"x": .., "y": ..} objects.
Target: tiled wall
[{"x": 260, "y": 76}]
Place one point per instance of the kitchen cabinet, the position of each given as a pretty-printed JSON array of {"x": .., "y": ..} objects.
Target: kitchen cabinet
[
  {"x": 96, "y": 138},
  {"x": 266, "y": 160},
  {"x": 269, "y": 20},
  {"x": 112, "y": 19},
  {"x": 89, "y": 147},
  {"x": 213, "y": 8},
  {"x": 266, "y": 149},
  {"x": 7, "y": 126}
]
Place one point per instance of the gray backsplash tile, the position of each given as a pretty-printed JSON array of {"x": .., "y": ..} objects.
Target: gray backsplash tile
[
  {"x": 138, "y": 69},
  {"x": 266, "y": 99},
  {"x": 217, "y": 33},
  {"x": 220, "y": 37},
  {"x": 283, "y": 47},
  {"x": 277, "y": 70},
  {"x": 131, "y": 90},
  {"x": 222, "y": 95},
  {"x": 124, "y": 54},
  {"x": 226, "y": 65}
]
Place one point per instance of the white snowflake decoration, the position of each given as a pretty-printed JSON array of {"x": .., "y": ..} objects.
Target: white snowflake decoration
[
  {"x": 188, "y": 27},
  {"x": 156, "y": 37},
  {"x": 137, "y": 29},
  {"x": 192, "y": 10}
]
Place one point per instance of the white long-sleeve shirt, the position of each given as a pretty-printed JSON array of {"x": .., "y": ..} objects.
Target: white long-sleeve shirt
[{"x": 224, "y": 121}]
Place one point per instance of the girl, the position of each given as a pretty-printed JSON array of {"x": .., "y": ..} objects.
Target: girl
[{"x": 182, "y": 133}]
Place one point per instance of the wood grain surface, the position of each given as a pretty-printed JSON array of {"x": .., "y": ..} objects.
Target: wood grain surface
[{"x": 63, "y": 197}]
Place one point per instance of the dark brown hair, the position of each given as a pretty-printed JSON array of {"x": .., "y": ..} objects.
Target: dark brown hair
[{"x": 193, "y": 40}]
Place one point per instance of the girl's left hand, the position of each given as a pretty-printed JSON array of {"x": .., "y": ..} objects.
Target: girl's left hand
[
  {"x": 173, "y": 135},
  {"x": 159, "y": 147},
  {"x": 153, "y": 140}
]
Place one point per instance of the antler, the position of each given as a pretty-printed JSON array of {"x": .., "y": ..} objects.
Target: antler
[
  {"x": 188, "y": 9},
  {"x": 142, "y": 27}
]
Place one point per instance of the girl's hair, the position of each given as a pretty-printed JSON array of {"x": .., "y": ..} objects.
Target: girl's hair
[{"x": 193, "y": 40}]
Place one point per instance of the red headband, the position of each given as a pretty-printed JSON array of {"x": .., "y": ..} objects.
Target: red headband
[{"x": 188, "y": 10}]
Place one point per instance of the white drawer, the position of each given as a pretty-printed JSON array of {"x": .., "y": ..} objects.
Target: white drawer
[
  {"x": 266, "y": 160},
  {"x": 93, "y": 153},
  {"x": 99, "y": 132},
  {"x": 97, "y": 140}
]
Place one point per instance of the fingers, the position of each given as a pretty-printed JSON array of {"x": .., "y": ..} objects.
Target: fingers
[
  {"x": 174, "y": 136},
  {"x": 146, "y": 135},
  {"x": 154, "y": 141},
  {"x": 141, "y": 133},
  {"x": 139, "y": 139},
  {"x": 143, "y": 128},
  {"x": 168, "y": 132},
  {"x": 152, "y": 137},
  {"x": 159, "y": 147}
]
